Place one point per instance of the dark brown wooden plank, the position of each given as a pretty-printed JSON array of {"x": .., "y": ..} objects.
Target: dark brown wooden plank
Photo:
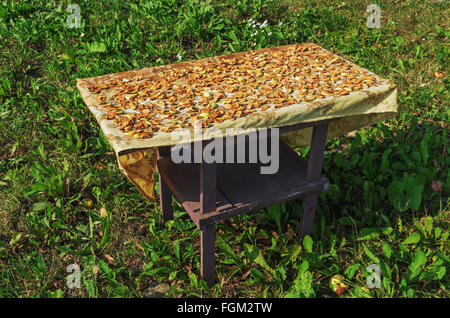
[
  {"x": 236, "y": 184},
  {"x": 290, "y": 128},
  {"x": 318, "y": 143},
  {"x": 207, "y": 249},
  {"x": 184, "y": 181},
  {"x": 208, "y": 190},
  {"x": 243, "y": 183},
  {"x": 163, "y": 151},
  {"x": 208, "y": 176},
  {"x": 274, "y": 198},
  {"x": 313, "y": 172},
  {"x": 309, "y": 210},
  {"x": 165, "y": 195}
]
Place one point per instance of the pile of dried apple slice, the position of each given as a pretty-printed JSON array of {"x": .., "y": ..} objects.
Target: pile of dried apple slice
[{"x": 224, "y": 88}]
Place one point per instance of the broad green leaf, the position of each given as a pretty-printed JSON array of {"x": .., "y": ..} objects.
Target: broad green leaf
[
  {"x": 385, "y": 270},
  {"x": 55, "y": 294},
  {"x": 42, "y": 151},
  {"x": 193, "y": 279},
  {"x": 173, "y": 275},
  {"x": 176, "y": 250},
  {"x": 15, "y": 238},
  {"x": 433, "y": 273},
  {"x": 274, "y": 213},
  {"x": 91, "y": 287},
  {"x": 104, "y": 268},
  {"x": 370, "y": 254},
  {"x": 183, "y": 225},
  {"x": 41, "y": 264},
  {"x": 304, "y": 266},
  {"x": 96, "y": 47},
  {"x": 303, "y": 284},
  {"x": 406, "y": 193},
  {"x": 428, "y": 224},
  {"x": 417, "y": 264},
  {"x": 359, "y": 292},
  {"x": 295, "y": 254},
  {"x": 387, "y": 250},
  {"x": 39, "y": 206},
  {"x": 437, "y": 232},
  {"x": 257, "y": 274},
  {"x": 254, "y": 254},
  {"x": 346, "y": 220},
  {"x": 161, "y": 271},
  {"x": 308, "y": 244},
  {"x": 295, "y": 294},
  {"x": 443, "y": 257},
  {"x": 64, "y": 249},
  {"x": 385, "y": 160},
  {"x": 351, "y": 270},
  {"x": 387, "y": 230},
  {"x": 281, "y": 273},
  {"x": 424, "y": 148},
  {"x": 369, "y": 233},
  {"x": 222, "y": 245},
  {"x": 412, "y": 239}
]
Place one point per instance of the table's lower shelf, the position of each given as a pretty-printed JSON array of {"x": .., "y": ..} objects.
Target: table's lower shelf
[{"x": 240, "y": 187}]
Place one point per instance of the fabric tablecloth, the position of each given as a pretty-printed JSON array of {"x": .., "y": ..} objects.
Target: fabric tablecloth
[{"x": 359, "y": 104}]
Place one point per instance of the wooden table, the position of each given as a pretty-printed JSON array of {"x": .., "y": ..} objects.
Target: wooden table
[
  {"x": 300, "y": 85},
  {"x": 211, "y": 192}
]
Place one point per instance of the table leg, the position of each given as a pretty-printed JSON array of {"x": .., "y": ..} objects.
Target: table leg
[
  {"x": 313, "y": 172},
  {"x": 207, "y": 261},
  {"x": 208, "y": 176},
  {"x": 165, "y": 194},
  {"x": 309, "y": 211}
]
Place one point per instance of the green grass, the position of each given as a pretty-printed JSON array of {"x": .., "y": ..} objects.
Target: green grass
[{"x": 388, "y": 202}]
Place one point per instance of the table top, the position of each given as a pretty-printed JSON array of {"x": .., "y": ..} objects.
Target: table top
[{"x": 264, "y": 88}]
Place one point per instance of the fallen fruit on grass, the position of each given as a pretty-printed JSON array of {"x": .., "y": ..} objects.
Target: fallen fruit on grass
[
  {"x": 337, "y": 284},
  {"x": 89, "y": 203},
  {"x": 436, "y": 186},
  {"x": 102, "y": 212}
]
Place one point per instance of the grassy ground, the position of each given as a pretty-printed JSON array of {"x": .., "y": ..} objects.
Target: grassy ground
[{"x": 63, "y": 200}]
